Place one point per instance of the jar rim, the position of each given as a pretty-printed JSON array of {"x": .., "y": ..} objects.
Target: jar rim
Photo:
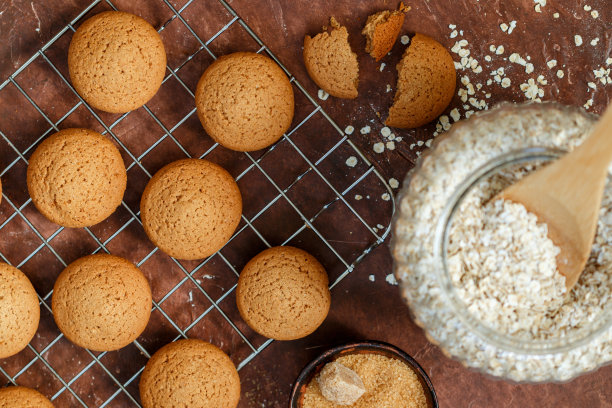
[{"x": 494, "y": 337}]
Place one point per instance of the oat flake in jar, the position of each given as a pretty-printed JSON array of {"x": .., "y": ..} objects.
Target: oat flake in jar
[{"x": 479, "y": 274}]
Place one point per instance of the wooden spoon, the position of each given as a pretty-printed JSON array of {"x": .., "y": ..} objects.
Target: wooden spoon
[{"x": 567, "y": 194}]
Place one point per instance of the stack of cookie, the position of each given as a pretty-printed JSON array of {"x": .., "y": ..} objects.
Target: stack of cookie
[{"x": 189, "y": 209}]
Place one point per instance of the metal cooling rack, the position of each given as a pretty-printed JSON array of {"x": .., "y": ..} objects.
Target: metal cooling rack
[{"x": 378, "y": 235}]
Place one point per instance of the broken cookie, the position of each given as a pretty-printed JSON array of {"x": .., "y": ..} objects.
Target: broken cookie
[
  {"x": 331, "y": 63},
  {"x": 381, "y": 31},
  {"x": 425, "y": 85}
]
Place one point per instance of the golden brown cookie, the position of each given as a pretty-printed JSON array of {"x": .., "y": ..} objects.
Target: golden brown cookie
[
  {"x": 283, "y": 293},
  {"x": 425, "y": 85},
  {"x": 101, "y": 302},
  {"x": 331, "y": 63},
  {"x": 381, "y": 31},
  {"x": 22, "y": 397},
  {"x": 191, "y": 208},
  {"x": 116, "y": 61},
  {"x": 190, "y": 373},
  {"x": 76, "y": 178},
  {"x": 19, "y": 311},
  {"x": 245, "y": 101}
]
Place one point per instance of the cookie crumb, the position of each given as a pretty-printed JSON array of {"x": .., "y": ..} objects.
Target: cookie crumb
[{"x": 351, "y": 161}]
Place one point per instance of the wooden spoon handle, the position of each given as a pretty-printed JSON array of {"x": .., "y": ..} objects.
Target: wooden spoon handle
[{"x": 596, "y": 151}]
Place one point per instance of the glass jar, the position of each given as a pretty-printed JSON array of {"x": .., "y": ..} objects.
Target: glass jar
[{"x": 472, "y": 152}]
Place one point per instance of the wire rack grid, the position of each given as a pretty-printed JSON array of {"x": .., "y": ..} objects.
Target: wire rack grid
[{"x": 377, "y": 234}]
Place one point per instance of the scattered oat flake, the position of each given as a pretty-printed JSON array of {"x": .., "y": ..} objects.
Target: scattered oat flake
[
  {"x": 379, "y": 147},
  {"x": 405, "y": 39},
  {"x": 556, "y": 15},
  {"x": 592, "y": 85},
  {"x": 505, "y": 83},
  {"x": 365, "y": 130},
  {"x": 390, "y": 145},
  {"x": 393, "y": 183},
  {"x": 594, "y": 41},
  {"x": 382, "y": 66},
  {"x": 499, "y": 50},
  {"x": 385, "y": 196},
  {"x": 358, "y": 197},
  {"x": 552, "y": 63},
  {"x": 323, "y": 95},
  {"x": 560, "y": 73},
  {"x": 455, "y": 114},
  {"x": 595, "y": 14},
  {"x": 349, "y": 130},
  {"x": 587, "y": 7},
  {"x": 386, "y": 132},
  {"x": 390, "y": 279},
  {"x": 372, "y": 278},
  {"x": 578, "y": 40},
  {"x": 388, "y": 88},
  {"x": 351, "y": 161},
  {"x": 588, "y": 104},
  {"x": 487, "y": 58},
  {"x": 609, "y": 61},
  {"x": 454, "y": 34},
  {"x": 529, "y": 68}
]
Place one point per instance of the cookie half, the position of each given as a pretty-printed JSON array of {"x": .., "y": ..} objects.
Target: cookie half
[
  {"x": 245, "y": 101},
  {"x": 331, "y": 63},
  {"x": 190, "y": 373},
  {"x": 76, "y": 178},
  {"x": 116, "y": 61},
  {"x": 283, "y": 293},
  {"x": 101, "y": 302},
  {"x": 425, "y": 86},
  {"x": 191, "y": 208},
  {"x": 19, "y": 311},
  {"x": 381, "y": 31},
  {"x": 22, "y": 397}
]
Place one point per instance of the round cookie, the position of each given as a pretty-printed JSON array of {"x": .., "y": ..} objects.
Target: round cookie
[
  {"x": 116, "y": 61},
  {"x": 283, "y": 293},
  {"x": 244, "y": 101},
  {"x": 19, "y": 311},
  {"x": 425, "y": 85},
  {"x": 101, "y": 302},
  {"x": 76, "y": 178},
  {"x": 22, "y": 397},
  {"x": 191, "y": 208},
  {"x": 190, "y": 373}
]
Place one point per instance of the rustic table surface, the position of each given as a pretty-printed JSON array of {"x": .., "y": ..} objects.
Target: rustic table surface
[{"x": 577, "y": 34}]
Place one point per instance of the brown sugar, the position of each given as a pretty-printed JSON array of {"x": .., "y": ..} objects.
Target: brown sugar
[
  {"x": 381, "y": 31},
  {"x": 389, "y": 383}
]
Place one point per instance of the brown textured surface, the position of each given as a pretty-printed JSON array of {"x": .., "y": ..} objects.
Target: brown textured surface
[
  {"x": 76, "y": 178},
  {"x": 190, "y": 373},
  {"x": 360, "y": 308},
  {"x": 116, "y": 61},
  {"x": 21, "y": 397},
  {"x": 191, "y": 208},
  {"x": 101, "y": 302},
  {"x": 19, "y": 311},
  {"x": 425, "y": 84},
  {"x": 245, "y": 101},
  {"x": 331, "y": 63},
  {"x": 282, "y": 293},
  {"x": 381, "y": 31}
]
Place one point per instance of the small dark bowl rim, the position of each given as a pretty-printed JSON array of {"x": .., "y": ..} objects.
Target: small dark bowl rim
[{"x": 316, "y": 364}]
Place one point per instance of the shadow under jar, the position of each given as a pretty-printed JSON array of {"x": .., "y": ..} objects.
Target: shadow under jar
[{"x": 478, "y": 158}]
